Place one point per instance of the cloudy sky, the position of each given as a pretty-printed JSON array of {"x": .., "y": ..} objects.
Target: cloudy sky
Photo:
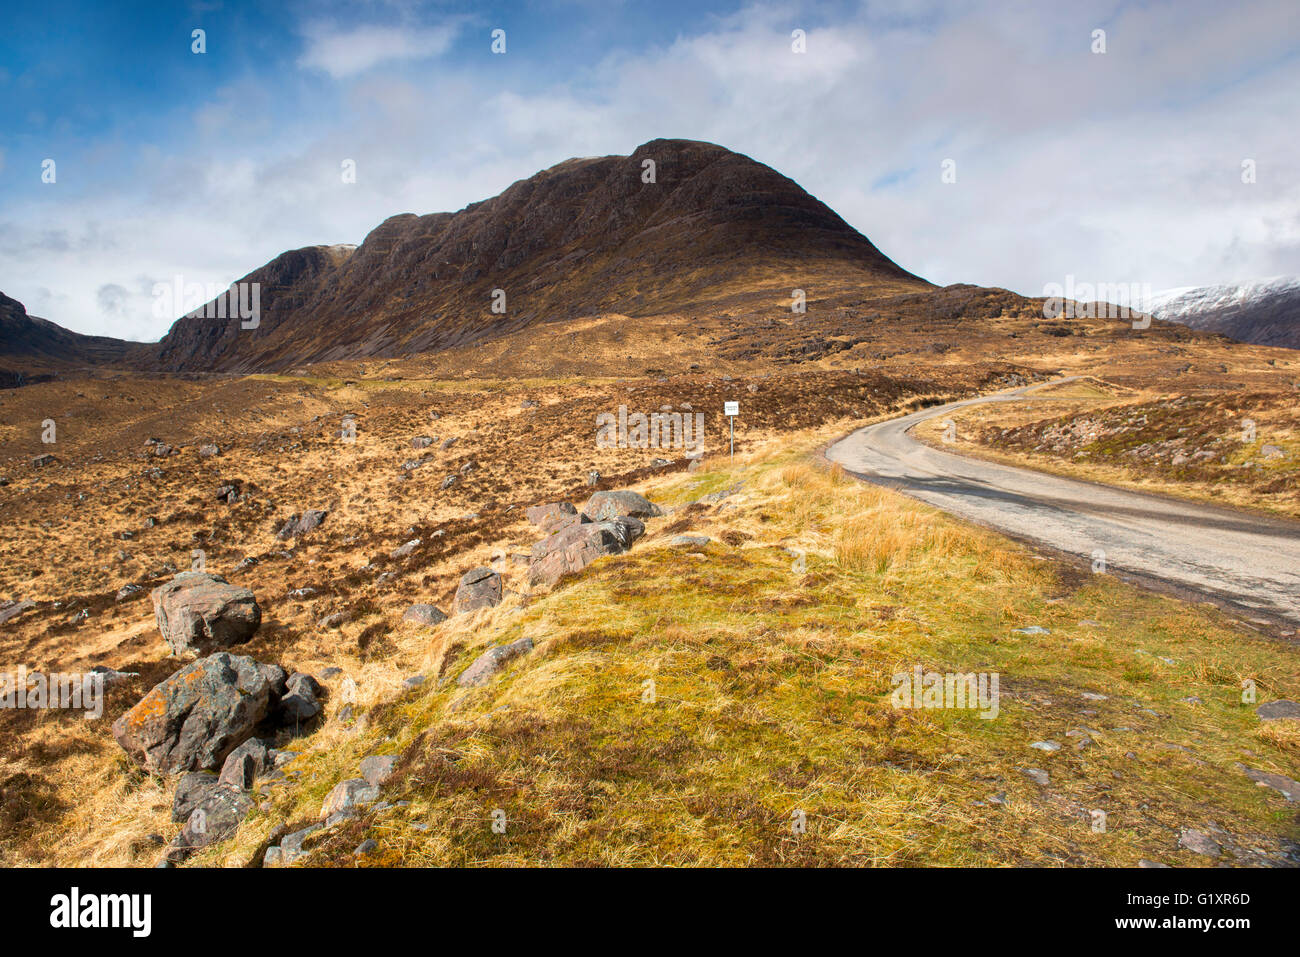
[{"x": 1119, "y": 167}]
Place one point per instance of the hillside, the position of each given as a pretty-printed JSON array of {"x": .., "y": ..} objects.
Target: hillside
[
  {"x": 31, "y": 348},
  {"x": 584, "y": 237}
]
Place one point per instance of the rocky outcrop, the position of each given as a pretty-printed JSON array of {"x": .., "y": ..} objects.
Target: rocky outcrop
[
  {"x": 574, "y": 547},
  {"x": 603, "y": 506},
  {"x": 200, "y": 612}
]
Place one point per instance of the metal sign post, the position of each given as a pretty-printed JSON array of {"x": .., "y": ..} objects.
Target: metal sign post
[{"x": 731, "y": 410}]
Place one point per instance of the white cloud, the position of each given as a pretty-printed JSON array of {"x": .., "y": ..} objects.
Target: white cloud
[
  {"x": 347, "y": 53},
  {"x": 1122, "y": 167}
]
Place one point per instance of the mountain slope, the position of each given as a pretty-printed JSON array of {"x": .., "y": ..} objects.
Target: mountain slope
[
  {"x": 31, "y": 347},
  {"x": 1266, "y": 312},
  {"x": 584, "y": 237}
]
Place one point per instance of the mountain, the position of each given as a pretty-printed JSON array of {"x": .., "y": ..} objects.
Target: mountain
[
  {"x": 31, "y": 348},
  {"x": 582, "y": 238},
  {"x": 1266, "y": 312}
]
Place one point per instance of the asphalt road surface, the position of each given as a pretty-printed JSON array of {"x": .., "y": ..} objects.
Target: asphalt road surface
[{"x": 1251, "y": 561}]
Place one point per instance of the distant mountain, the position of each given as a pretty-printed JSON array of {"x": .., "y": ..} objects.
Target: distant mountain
[
  {"x": 32, "y": 348},
  {"x": 1266, "y": 312},
  {"x": 581, "y": 238}
]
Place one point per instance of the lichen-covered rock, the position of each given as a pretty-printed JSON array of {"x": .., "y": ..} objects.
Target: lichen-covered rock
[
  {"x": 195, "y": 718},
  {"x": 479, "y": 588},
  {"x": 604, "y": 506},
  {"x": 200, "y": 612}
]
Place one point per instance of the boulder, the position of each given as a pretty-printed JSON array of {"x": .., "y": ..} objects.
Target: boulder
[
  {"x": 479, "y": 588},
  {"x": 195, "y": 718},
  {"x": 604, "y": 506},
  {"x": 197, "y": 611},
  {"x": 424, "y": 615},
  {"x": 573, "y": 548},
  {"x": 492, "y": 661},
  {"x": 301, "y": 702},
  {"x": 301, "y": 524},
  {"x": 243, "y": 765}
]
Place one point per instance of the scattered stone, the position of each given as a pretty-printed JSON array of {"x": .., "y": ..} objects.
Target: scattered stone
[
  {"x": 413, "y": 682},
  {"x": 197, "y": 611},
  {"x": 1032, "y": 630},
  {"x": 593, "y": 477},
  {"x": 1198, "y": 842},
  {"x": 1274, "y": 710},
  {"x": 490, "y": 662},
  {"x": 421, "y": 441},
  {"x": 14, "y": 609},
  {"x": 424, "y": 615},
  {"x": 347, "y": 796},
  {"x": 697, "y": 541},
  {"x": 479, "y": 588},
  {"x": 402, "y": 551},
  {"x": 41, "y": 461},
  {"x": 450, "y": 480},
  {"x": 378, "y": 768},
  {"x": 448, "y": 443},
  {"x": 195, "y": 718},
  {"x": 301, "y": 524},
  {"x": 209, "y": 451},
  {"x": 1048, "y": 746},
  {"x": 1285, "y": 786},
  {"x": 658, "y": 463},
  {"x": 127, "y": 591},
  {"x": 1094, "y": 696},
  {"x": 1146, "y": 863},
  {"x": 368, "y": 846},
  {"x": 606, "y": 506},
  {"x": 333, "y": 620},
  {"x": 1272, "y": 452},
  {"x": 1036, "y": 775}
]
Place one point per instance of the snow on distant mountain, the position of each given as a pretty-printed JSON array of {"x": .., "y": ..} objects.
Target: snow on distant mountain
[{"x": 1266, "y": 311}]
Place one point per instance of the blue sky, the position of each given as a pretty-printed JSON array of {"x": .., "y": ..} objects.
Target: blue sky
[{"x": 1118, "y": 167}]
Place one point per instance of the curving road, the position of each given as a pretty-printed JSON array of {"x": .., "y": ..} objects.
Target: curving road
[{"x": 1248, "y": 560}]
